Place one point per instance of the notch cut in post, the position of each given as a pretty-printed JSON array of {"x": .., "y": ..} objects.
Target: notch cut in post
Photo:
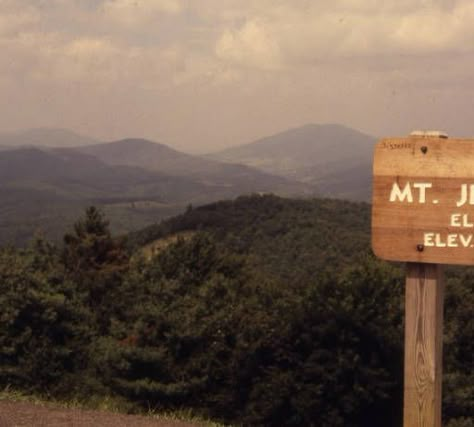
[{"x": 424, "y": 300}]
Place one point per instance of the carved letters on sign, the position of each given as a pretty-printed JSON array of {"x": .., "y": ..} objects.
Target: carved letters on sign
[{"x": 456, "y": 220}]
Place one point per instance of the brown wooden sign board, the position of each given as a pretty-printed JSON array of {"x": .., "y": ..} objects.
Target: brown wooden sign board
[
  {"x": 423, "y": 200},
  {"x": 423, "y": 213}
]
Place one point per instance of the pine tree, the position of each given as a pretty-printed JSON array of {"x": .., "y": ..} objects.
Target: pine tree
[
  {"x": 42, "y": 325},
  {"x": 96, "y": 262}
]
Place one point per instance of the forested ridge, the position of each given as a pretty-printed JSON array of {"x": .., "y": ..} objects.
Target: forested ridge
[{"x": 271, "y": 312}]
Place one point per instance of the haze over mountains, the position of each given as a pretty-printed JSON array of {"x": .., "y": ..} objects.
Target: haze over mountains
[
  {"x": 46, "y": 180},
  {"x": 157, "y": 157},
  {"x": 44, "y": 137},
  {"x": 334, "y": 158}
]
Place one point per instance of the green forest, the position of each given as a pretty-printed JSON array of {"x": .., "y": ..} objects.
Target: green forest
[{"x": 258, "y": 311}]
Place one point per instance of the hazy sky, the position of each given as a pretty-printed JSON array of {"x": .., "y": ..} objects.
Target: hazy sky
[{"x": 205, "y": 74}]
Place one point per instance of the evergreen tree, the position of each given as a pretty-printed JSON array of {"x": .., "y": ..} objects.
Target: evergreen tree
[
  {"x": 43, "y": 331},
  {"x": 96, "y": 262}
]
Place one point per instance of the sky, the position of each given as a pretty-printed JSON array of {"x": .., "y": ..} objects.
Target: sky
[{"x": 202, "y": 75}]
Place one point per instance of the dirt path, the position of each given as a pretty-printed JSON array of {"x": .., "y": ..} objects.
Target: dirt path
[{"x": 25, "y": 414}]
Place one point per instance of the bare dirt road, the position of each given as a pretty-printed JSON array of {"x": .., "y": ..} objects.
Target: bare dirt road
[{"x": 25, "y": 414}]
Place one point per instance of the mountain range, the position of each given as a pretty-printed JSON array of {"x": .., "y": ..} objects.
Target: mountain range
[
  {"x": 136, "y": 182},
  {"x": 48, "y": 176},
  {"x": 155, "y": 157}
]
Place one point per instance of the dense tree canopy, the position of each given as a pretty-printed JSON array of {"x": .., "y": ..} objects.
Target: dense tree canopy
[{"x": 258, "y": 311}]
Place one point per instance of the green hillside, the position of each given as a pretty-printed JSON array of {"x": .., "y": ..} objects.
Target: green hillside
[
  {"x": 289, "y": 238},
  {"x": 254, "y": 311}
]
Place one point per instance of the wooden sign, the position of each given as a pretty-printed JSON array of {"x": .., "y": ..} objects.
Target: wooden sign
[
  {"x": 423, "y": 200},
  {"x": 423, "y": 213}
]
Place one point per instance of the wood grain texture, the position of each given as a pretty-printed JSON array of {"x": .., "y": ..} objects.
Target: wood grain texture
[
  {"x": 423, "y": 345},
  {"x": 400, "y": 227}
]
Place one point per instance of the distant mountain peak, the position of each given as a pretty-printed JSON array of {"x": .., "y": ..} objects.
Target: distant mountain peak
[
  {"x": 315, "y": 127},
  {"x": 138, "y": 143},
  {"x": 304, "y": 136},
  {"x": 320, "y": 154},
  {"x": 133, "y": 140},
  {"x": 134, "y": 152}
]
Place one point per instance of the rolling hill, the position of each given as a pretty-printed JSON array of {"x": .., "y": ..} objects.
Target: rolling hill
[
  {"x": 47, "y": 188},
  {"x": 154, "y": 157},
  {"x": 74, "y": 175},
  {"x": 288, "y": 237},
  {"x": 334, "y": 158},
  {"x": 150, "y": 155}
]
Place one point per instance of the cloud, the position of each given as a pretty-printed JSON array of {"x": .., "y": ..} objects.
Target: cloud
[
  {"x": 103, "y": 62},
  {"x": 52, "y": 58},
  {"x": 14, "y": 19},
  {"x": 298, "y": 33},
  {"x": 132, "y": 13},
  {"x": 38, "y": 47},
  {"x": 181, "y": 40},
  {"x": 251, "y": 45},
  {"x": 259, "y": 65}
]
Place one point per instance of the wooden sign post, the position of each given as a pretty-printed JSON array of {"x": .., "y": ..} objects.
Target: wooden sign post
[
  {"x": 424, "y": 295},
  {"x": 423, "y": 214}
]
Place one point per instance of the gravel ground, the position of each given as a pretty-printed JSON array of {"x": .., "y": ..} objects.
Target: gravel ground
[{"x": 25, "y": 414}]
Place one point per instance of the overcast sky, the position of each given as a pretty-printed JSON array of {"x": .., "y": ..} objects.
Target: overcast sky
[{"x": 205, "y": 74}]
